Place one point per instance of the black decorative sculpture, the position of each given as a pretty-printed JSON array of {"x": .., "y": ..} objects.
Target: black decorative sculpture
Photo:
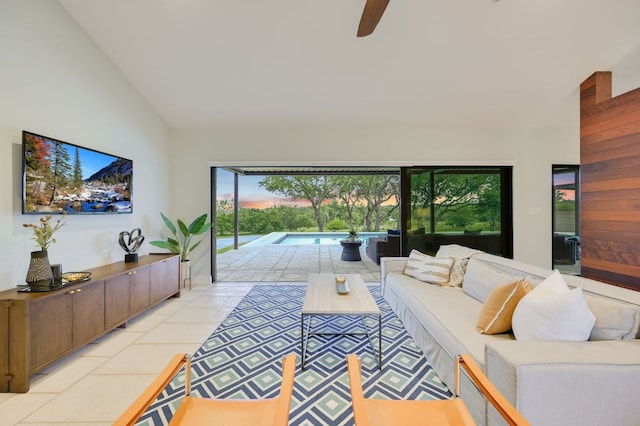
[{"x": 133, "y": 242}]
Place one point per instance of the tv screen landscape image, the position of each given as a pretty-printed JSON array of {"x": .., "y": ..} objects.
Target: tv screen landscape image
[{"x": 60, "y": 177}]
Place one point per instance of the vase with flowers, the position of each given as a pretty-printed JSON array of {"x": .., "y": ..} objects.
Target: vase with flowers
[{"x": 40, "y": 275}]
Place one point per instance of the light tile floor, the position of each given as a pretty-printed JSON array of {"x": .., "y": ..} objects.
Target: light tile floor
[{"x": 95, "y": 384}]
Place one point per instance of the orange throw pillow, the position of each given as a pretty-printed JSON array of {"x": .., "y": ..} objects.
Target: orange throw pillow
[{"x": 496, "y": 313}]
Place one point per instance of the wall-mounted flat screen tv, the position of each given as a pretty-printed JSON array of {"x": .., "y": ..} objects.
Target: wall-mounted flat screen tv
[{"x": 61, "y": 177}]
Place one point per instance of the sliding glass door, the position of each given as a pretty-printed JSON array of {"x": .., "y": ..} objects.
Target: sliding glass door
[{"x": 470, "y": 206}]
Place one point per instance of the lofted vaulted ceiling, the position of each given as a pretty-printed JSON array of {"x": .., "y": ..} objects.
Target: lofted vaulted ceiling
[{"x": 508, "y": 63}]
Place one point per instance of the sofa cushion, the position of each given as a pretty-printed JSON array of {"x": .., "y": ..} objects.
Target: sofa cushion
[
  {"x": 427, "y": 268},
  {"x": 614, "y": 320},
  {"x": 481, "y": 278},
  {"x": 496, "y": 313},
  {"x": 461, "y": 254},
  {"x": 627, "y": 303},
  {"x": 446, "y": 313},
  {"x": 533, "y": 273},
  {"x": 553, "y": 312}
]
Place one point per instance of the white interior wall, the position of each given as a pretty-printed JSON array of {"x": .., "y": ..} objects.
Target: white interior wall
[
  {"x": 56, "y": 82},
  {"x": 532, "y": 153}
]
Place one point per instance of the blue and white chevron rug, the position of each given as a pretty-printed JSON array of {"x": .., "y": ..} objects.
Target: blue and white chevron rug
[{"x": 243, "y": 359}]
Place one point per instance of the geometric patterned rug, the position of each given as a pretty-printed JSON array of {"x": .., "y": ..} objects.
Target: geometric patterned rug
[{"x": 243, "y": 359}]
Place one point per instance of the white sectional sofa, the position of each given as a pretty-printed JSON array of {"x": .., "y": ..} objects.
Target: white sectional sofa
[{"x": 596, "y": 382}]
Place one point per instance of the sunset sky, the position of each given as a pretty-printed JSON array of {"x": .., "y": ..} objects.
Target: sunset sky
[
  {"x": 251, "y": 194},
  {"x": 566, "y": 179}
]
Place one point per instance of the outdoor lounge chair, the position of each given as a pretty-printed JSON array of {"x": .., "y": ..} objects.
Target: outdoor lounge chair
[
  {"x": 199, "y": 411},
  {"x": 385, "y": 246},
  {"x": 368, "y": 411}
]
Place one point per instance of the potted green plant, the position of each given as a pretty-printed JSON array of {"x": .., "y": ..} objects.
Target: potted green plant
[
  {"x": 353, "y": 236},
  {"x": 182, "y": 241}
]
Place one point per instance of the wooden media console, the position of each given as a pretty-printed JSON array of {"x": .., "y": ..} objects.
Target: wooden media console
[{"x": 36, "y": 329}]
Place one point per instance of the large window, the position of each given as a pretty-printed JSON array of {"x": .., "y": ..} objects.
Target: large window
[{"x": 470, "y": 206}]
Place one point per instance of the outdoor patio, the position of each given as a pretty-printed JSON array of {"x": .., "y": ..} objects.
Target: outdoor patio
[{"x": 290, "y": 263}]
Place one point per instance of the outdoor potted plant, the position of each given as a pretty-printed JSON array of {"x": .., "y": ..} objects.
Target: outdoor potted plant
[
  {"x": 182, "y": 241},
  {"x": 40, "y": 275},
  {"x": 353, "y": 236}
]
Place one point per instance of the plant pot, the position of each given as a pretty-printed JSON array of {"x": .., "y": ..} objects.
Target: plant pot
[
  {"x": 185, "y": 273},
  {"x": 39, "y": 275}
]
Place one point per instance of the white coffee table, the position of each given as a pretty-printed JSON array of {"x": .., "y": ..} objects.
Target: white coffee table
[{"x": 322, "y": 299}]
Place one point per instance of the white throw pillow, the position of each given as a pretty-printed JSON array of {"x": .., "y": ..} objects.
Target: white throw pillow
[
  {"x": 551, "y": 311},
  {"x": 428, "y": 268},
  {"x": 461, "y": 255}
]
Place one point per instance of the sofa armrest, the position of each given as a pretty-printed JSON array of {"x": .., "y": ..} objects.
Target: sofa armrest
[
  {"x": 560, "y": 383},
  {"x": 390, "y": 264}
]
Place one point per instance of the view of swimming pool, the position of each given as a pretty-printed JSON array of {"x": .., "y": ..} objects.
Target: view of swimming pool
[{"x": 305, "y": 238}]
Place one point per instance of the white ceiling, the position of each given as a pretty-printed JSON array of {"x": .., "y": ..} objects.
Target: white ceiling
[{"x": 208, "y": 63}]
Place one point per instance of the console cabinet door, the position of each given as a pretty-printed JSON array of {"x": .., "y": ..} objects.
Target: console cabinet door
[
  {"x": 139, "y": 290},
  {"x": 51, "y": 328},
  {"x": 165, "y": 278},
  {"x": 36, "y": 329},
  {"x": 88, "y": 312},
  {"x": 116, "y": 300}
]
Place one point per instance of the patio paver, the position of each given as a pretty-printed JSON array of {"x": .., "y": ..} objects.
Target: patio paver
[{"x": 290, "y": 263}]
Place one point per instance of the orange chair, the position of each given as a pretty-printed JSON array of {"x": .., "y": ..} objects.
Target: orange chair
[
  {"x": 199, "y": 411},
  {"x": 370, "y": 412}
]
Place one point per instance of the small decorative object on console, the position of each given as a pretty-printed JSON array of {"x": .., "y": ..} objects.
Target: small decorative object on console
[
  {"x": 131, "y": 245},
  {"x": 76, "y": 277},
  {"x": 56, "y": 270}
]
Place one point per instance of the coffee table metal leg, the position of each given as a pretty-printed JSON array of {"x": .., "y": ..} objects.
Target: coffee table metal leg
[
  {"x": 304, "y": 339},
  {"x": 366, "y": 328},
  {"x": 380, "y": 341}
]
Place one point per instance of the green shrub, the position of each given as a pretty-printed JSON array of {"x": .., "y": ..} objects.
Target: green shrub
[{"x": 336, "y": 224}]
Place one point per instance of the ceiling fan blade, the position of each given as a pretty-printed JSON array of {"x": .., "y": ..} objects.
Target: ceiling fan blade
[{"x": 371, "y": 15}]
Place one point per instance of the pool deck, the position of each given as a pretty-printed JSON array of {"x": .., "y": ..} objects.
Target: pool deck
[{"x": 263, "y": 261}]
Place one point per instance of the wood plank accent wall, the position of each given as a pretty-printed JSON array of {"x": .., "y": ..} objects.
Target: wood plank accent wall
[{"x": 610, "y": 182}]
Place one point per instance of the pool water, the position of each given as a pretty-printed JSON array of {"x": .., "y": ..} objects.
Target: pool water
[{"x": 323, "y": 238}]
